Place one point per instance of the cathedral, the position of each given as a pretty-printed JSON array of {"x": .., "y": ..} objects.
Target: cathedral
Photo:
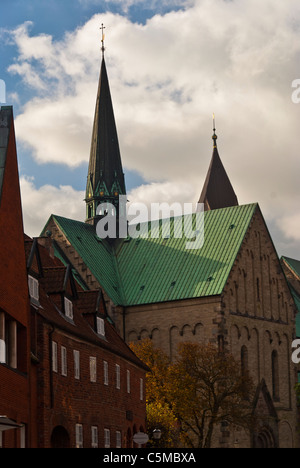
[{"x": 232, "y": 291}]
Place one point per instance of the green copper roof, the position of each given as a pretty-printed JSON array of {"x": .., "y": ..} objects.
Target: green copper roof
[
  {"x": 295, "y": 267},
  {"x": 293, "y": 264},
  {"x": 95, "y": 253},
  {"x": 158, "y": 270},
  {"x": 147, "y": 270}
]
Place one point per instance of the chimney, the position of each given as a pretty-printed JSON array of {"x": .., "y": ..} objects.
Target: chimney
[{"x": 46, "y": 241}]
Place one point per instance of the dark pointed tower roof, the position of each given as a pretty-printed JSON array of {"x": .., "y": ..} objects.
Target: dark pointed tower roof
[
  {"x": 105, "y": 181},
  {"x": 217, "y": 191},
  {"x": 105, "y": 158}
]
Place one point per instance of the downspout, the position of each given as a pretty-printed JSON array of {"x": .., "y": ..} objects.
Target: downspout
[
  {"x": 124, "y": 323},
  {"x": 51, "y": 367}
]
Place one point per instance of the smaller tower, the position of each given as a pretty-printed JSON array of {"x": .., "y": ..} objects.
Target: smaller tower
[
  {"x": 217, "y": 191},
  {"x": 105, "y": 181}
]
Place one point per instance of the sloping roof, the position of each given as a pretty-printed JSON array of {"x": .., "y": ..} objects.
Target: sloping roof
[
  {"x": 150, "y": 270},
  {"x": 105, "y": 159},
  {"x": 294, "y": 265},
  {"x": 217, "y": 191},
  {"x": 96, "y": 254}
]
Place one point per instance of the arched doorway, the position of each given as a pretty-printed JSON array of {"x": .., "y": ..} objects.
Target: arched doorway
[
  {"x": 265, "y": 439},
  {"x": 60, "y": 438}
]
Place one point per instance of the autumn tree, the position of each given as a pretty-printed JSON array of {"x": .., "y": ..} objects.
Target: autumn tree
[
  {"x": 195, "y": 394},
  {"x": 159, "y": 412},
  {"x": 208, "y": 388}
]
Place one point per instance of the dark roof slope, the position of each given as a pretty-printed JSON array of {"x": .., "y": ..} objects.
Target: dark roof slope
[{"x": 217, "y": 191}]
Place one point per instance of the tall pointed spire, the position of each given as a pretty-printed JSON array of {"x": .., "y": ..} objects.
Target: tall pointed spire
[
  {"x": 105, "y": 181},
  {"x": 217, "y": 191}
]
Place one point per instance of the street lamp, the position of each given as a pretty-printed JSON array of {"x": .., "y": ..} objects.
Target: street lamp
[{"x": 156, "y": 434}]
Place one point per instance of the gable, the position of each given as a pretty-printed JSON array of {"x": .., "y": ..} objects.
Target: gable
[{"x": 257, "y": 285}]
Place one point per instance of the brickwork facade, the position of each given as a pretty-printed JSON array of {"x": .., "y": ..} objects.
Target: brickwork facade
[
  {"x": 255, "y": 320},
  {"x": 90, "y": 386},
  {"x": 14, "y": 299}
]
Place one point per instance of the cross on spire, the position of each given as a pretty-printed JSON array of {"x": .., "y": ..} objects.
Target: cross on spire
[
  {"x": 102, "y": 40},
  {"x": 214, "y": 137}
]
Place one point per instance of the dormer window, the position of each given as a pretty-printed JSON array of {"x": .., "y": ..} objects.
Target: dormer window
[
  {"x": 68, "y": 309},
  {"x": 33, "y": 285},
  {"x": 100, "y": 326}
]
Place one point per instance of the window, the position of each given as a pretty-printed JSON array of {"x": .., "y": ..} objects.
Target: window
[
  {"x": 141, "y": 389},
  {"x": 2, "y": 352},
  {"x": 93, "y": 369},
  {"x": 94, "y": 437},
  {"x": 63, "y": 361},
  {"x": 33, "y": 285},
  {"x": 275, "y": 376},
  {"x": 118, "y": 377},
  {"x": 118, "y": 439},
  {"x": 23, "y": 436},
  {"x": 100, "y": 326},
  {"x": 244, "y": 360},
  {"x": 106, "y": 438},
  {"x": 105, "y": 365},
  {"x": 79, "y": 436},
  {"x": 76, "y": 364},
  {"x": 128, "y": 381},
  {"x": 68, "y": 309},
  {"x": 54, "y": 357}
]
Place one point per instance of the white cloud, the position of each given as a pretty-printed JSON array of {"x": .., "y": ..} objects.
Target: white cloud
[
  {"x": 235, "y": 58},
  {"x": 40, "y": 203}
]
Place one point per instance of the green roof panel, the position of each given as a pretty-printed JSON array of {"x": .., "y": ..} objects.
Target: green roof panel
[{"x": 150, "y": 270}]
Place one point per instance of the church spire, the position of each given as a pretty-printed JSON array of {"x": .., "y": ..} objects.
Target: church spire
[
  {"x": 217, "y": 191},
  {"x": 105, "y": 181}
]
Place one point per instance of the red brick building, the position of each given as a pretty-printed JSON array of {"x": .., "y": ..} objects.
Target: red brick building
[
  {"x": 14, "y": 300},
  {"x": 67, "y": 378},
  {"x": 89, "y": 385}
]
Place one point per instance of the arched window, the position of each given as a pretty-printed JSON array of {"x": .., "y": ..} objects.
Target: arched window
[
  {"x": 275, "y": 376},
  {"x": 244, "y": 360}
]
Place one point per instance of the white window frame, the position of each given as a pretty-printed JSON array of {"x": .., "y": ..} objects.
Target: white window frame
[
  {"x": 95, "y": 443},
  {"x": 23, "y": 436},
  {"x": 2, "y": 352},
  {"x": 68, "y": 308},
  {"x": 93, "y": 369},
  {"x": 118, "y": 377},
  {"x": 54, "y": 357},
  {"x": 128, "y": 382},
  {"x": 105, "y": 371},
  {"x": 64, "y": 362},
  {"x": 100, "y": 326},
  {"x": 118, "y": 439},
  {"x": 76, "y": 355},
  {"x": 79, "y": 435},
  {"x": 33, "y": 286},
  {"x": 106, "y": 438}
]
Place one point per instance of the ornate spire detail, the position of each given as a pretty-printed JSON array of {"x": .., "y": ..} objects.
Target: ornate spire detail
[
  {"x": 214, "y": 137},
  {"x": 102, "y": 40},
  {"x": 217, "y": 191},
  {"x": 105, "y": 180}
]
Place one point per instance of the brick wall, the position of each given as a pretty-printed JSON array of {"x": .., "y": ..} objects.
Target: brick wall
[{"x": 67, "y": 401}]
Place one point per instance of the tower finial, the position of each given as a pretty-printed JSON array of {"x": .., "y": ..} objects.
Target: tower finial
[
  {"x": 214, "y": 137},
  {"x": 102, "y": 40}
]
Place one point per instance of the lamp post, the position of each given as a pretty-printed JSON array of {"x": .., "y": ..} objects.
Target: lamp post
[{"x": 156, "y": 435}]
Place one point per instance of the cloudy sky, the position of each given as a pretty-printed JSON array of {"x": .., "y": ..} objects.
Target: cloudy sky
[{"x": 171, "y": 65}]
